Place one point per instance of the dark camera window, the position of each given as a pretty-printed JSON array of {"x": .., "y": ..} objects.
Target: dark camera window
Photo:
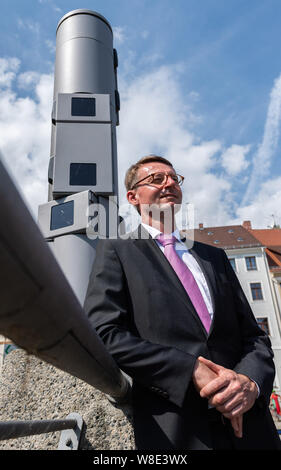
[
  {"x": 62, "y": 215},
  {"x": 83, "y": 174},
  {"x": 83, "y": 107}
]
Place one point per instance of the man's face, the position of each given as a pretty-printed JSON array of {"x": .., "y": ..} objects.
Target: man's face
[{"x": 166, "y": 196}]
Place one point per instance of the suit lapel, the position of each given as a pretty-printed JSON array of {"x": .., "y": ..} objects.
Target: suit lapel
[{"x": 149, "y": 246}]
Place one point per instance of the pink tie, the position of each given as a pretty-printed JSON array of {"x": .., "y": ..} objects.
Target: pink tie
[{"x": 186, "y": 278}]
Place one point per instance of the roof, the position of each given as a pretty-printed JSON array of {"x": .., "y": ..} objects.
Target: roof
[
  {"x": 275, "y": 249},
  {"x": 274, "y": 258},
  {"x": 268, "y": 237},
  {"x": 230, "y": 236},
  {"x": 271, "y": 239}
]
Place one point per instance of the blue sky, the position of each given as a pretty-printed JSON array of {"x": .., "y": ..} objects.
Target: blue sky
[{"x": 199, "y": 81}]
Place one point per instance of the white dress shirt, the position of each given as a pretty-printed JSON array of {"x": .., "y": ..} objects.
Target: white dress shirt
[{"x": 190, "y": 261}]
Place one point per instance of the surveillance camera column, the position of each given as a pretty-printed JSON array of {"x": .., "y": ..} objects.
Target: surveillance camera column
[{"x": 44, "y": 278}]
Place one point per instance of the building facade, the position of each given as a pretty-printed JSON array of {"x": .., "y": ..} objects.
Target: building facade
[{"x": 271, "y": 239}]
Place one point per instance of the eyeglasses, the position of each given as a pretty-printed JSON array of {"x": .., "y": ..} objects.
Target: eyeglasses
[{"x": 160, "y": 179}]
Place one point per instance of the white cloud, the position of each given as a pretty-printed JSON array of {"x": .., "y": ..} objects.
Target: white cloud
[
  {"x": 25, "y": 134},
  {"x": 151, "y": 116},
  {"x": 200, "y": 158},
  {"x": 265, "y": 204},
  {"x": 119, "y": 34},
  {"x": 262, "y": 159},
  {"x": 28, "y": 79},
  {"x": 28, "y": 24},
  {"x": 151, "y": 59},
  {"x": 233, "y": 159},
  {"x": 8, "y": 71},
  {"x": 52, "y": 5},
  {"x": 51, "y": 45},
  {"x": 208, "y": 193}
]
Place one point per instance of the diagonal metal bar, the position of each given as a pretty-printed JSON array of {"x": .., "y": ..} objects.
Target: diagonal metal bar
[
  {"x": 39, "y": 311},
  {"x": 15, "y": 429}
]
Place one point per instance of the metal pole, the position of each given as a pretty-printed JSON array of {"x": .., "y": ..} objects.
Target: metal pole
[
  {"x": 83, "y": 152},
  {"x": 15, "y": 429}
]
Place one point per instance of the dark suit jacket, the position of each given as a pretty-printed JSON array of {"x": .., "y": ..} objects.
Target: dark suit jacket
[{"x": 148, "y": 324}]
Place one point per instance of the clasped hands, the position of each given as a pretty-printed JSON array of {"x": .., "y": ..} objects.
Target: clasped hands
[{"x": 230, "y": 393}]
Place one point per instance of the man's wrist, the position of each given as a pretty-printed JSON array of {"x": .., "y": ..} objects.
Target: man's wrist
[
  {"x": 257, "y": 388},
  {"x": 202, "y": 375}
]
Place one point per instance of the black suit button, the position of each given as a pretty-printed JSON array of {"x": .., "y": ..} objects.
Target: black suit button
[{"x": 159, "y": 391}]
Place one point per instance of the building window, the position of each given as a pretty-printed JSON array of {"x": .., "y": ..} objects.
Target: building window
[
  {"x": 233, "y": 264},
  {"x": 263, "y": 324},
  {"x": 251, "y": 263},
  {"x": 256, "y": 291}
]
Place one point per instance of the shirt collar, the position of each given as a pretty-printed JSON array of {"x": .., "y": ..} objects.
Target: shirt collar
[{"x": 154, "y": 232}]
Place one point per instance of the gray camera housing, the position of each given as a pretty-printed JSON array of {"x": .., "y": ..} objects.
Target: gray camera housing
[{"x": 83, "y": 150}]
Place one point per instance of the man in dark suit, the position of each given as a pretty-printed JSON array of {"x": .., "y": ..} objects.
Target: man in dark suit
[{"x": 193, "y": 384}]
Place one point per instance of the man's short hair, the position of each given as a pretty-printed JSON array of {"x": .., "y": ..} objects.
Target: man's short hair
[{"x": 131, "y": 174}]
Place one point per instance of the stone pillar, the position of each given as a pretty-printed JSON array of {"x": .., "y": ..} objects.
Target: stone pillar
[{"x": 31, "y": 389}]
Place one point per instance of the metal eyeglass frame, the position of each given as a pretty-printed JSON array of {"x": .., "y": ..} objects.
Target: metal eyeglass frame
[{"x": 179, "y": 181}]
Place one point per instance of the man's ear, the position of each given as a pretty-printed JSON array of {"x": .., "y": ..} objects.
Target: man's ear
[{"x": 132, "y": 197}]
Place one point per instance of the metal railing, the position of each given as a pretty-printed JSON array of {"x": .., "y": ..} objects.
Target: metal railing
[
  {"x": 71, "y": 426},
  {"x": 39, "y": 311},
  {"x": 41, "y": 314}
]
